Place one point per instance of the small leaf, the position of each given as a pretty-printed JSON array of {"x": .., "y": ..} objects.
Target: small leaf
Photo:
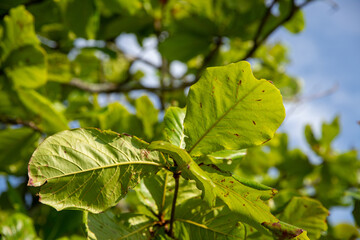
[
  {"x": 19, "y": 31},
  {"x": 189, "y": 169},
  {"x": 174, "y": 126},
  {"x": 228, "y": 108},
  {"x": 107, "y": 226},
  {"x": 89, "y": 169},
  {"x": 345, "y": 231},
  {"x": 306, "y": 213}
]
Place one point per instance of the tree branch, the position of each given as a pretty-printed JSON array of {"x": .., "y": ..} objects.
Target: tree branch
[
  {"x": 209, "y": 57},
  {"x": 257, "y": 38},
  {"x": 13, "y": 121},
  {"x": 172, "y": 218}
]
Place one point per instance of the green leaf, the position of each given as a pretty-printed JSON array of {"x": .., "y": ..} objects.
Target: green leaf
[
  {"x": 16, "y": 147},
  {"x": 297, "y": 23},
  {"x": 306, "y": 213},
  {"x": 195, "y": 220},
  {"x": 51, "y": 120},
  {"x": 345, "y": 231},
  {"x": 18, "y": 226},
  {"x": 107, "y": 226},
  {"x": 229, "y": 109},
  {"x": 188, "y": 167},
  {"x": 148, "y": 114},
  {"x": 247, "y": 202},
  {"x": 330, "y": 131},
  {"x": 174, "y": 126},
  {"x": 89, "y": 169},
  {"x": 19, "y": 31},
  {"x": 26, "y": 67}
]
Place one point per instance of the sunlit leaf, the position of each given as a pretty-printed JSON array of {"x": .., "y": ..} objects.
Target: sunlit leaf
[
  {"x": 229, "y": 109},
  {"x": 89, "y": 169},
  {"x": 19, "y": 31}
]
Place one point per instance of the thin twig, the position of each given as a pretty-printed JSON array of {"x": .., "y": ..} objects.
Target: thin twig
[
  {"x": 209, "y": 57},
  {"x": 14, "y": 121},
  {"x": 258, "y": 40},
  {"x": 172, "y": 218}
]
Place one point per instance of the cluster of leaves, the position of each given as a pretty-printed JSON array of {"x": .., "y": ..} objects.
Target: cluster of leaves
[{"x": 53, "y": 77}]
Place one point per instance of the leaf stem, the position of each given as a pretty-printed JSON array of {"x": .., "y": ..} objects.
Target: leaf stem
[{"x": 172, "y": 218}]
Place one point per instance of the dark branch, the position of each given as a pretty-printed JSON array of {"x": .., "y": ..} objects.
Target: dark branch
[
  {"x": 258, "y": 40},
  {"x": 172, "y": 217},
  {"x": 14, "y": 121},
  {"x": 209, "y": 57}
]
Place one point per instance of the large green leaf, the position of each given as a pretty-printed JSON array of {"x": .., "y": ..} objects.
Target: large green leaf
[
  {"x": 228, "y": 108},
  {"x": 16, "y": 147},
  {"x": 51, "y": 120},
  {"x": 107, "y": 226},
  {"x": 90, "y": 169},
  {"x": 306, "y": 213},
  {"x": 26, "y": 67},
  {"x": 188, "y": 167},
  {"x": 196, "y": 220},
  {"x": 174, "y": 126}
]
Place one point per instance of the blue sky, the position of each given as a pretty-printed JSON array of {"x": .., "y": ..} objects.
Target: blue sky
[{"x": 324, "y": 55}]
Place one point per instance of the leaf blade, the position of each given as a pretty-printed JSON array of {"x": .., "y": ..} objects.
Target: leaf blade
[
  {"x": 89, "y": 169},
  {"x": 237, "y": 111}
]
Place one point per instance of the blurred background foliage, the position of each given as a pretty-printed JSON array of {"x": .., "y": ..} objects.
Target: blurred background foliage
[{"x": 61, "y": 66}]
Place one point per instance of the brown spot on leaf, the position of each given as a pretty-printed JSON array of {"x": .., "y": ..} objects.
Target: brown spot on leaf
[
  {"x": 242, "y": 70},
  {"x": 64, "y": 151},
  {"x": 239, "y": 83},
  {"x": 270, "y": 82},
  {"x": 222, "y": 180},
  {"x": 263, "y": 91},
  {"x": 266, "y": 141},
  {"x": 200, "y": 105},
  {"x": 244, "y": 204},
  {"x": 231, "y": 181},
  {"x": 254, "y": 122},
  {"x": 237, "y": 135},
  {"x": 258, "y": 100}
]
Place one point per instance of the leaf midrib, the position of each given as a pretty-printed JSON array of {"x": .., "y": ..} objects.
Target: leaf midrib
[
  {"x": 222, "y": 116},
  {"x": 107, "y": 166}
]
